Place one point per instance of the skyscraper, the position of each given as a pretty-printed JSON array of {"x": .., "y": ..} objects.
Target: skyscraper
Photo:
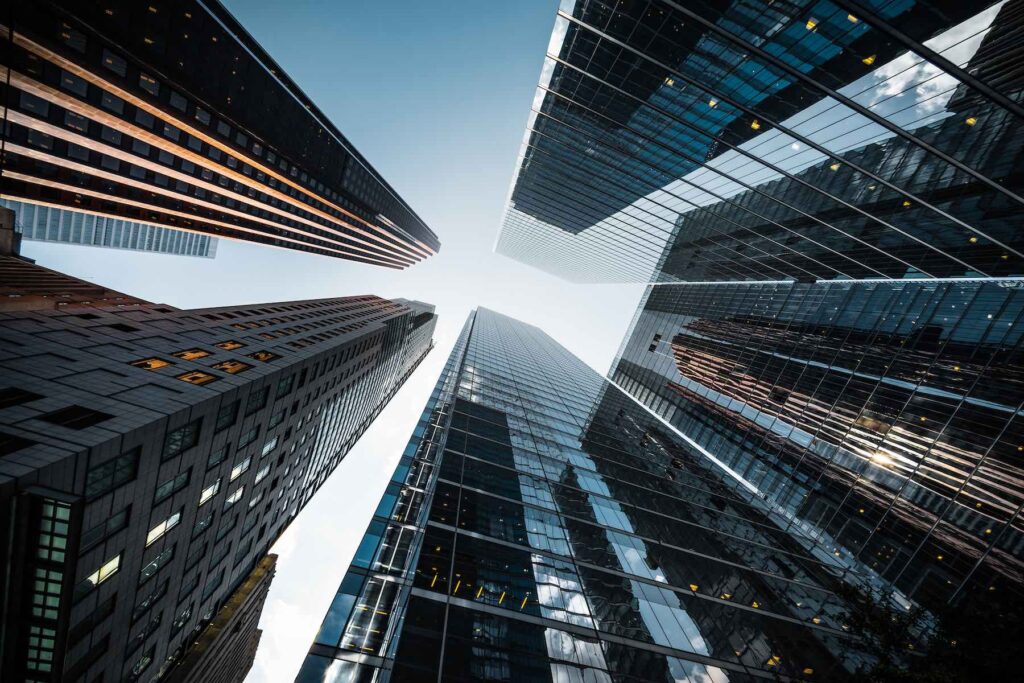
[
  {"x": 169, "y": 113},
  {"x": 38, "y": 223},
  {"x": 825, "y": 200},
  {"x": 150, "y": 456},
  {"x": 543, "y": 526}
]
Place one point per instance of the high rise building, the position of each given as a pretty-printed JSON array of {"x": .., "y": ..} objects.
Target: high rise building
[
  {"x": 169, "y": 113},
  {"x": 150, "y": 456},
  {"x": 40, "y": 223},
  {"x": 825, "y": 201},
  {"x": 543, "y": 526},
  {"x": 707, "y": 141}
]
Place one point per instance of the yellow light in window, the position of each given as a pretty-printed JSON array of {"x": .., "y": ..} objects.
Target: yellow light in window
[
  {"x": 852, "y": 19},
  {"x": 479, "y": 592},
  {"x": 956, "y": 368},
  {"x": 755, "y": 604},
  {"x": 197, "y": 377},
  {"x": 869, "y": 60},
  {"x": 725, "y": 596},
  {"x": 755, "y": 124},
  {"x": 773, "y": 660},
  {"x": 835, "y": 166},
  {"x": 811, "y": 23},
  {"x": 906, "y": 202},
  {"x": 232, "y": 367},
  {"x": 694, "y": 587},
  {"x": 808, "y": 671},
  {"x": 938, "y": 557},
  {"x": 971, "y": 120},
  {"x": 669, "y": 82},
  {"x": 150, "y": 363},
  {"x": 523, "y": 603},
  {"x": 973, "y": 240},
  {"x": 816, "y": 620},
  {"x": 861, "y": 511},
  {"x": 988, "y": 531},
  {"x": 712, "y": 103},
  {"x": 229, "y": 345},
  {"x": 458, "y": 584},
  {"x": 433, "y": 581},
  {"x": 502, "y": 598}
]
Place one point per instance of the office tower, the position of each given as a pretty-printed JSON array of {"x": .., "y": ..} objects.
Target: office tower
[
  {"x": 700, "y": 141},
  {"x": 225, "y": 650},
  {"x": 169, "y": 113},
  {"x": 40, "y": 223},
  {"x": 543, "y": 526},
  {"x": 150, "y": 456},
  {"x": 826, "y": 201}
]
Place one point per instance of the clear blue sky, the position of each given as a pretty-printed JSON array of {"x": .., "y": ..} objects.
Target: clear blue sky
[{"x": 436, "y": 95}]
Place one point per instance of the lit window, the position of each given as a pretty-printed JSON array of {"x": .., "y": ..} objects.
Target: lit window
[
  {"x": 209, "y": 492},
  {"x": 106, "y": 570},
  {"x": 197, "y": 377},
  {"x": 869, "y": 60},
  {"x": 232, "y": 367},
  {"x": 235, "y": 496},
  {"x": 229, "y": 345},
  {"x": 191, "y": 354},
  {"x": 149, "y": 84},
  {"x": 162, "y": 528},
  {"x": 269, "y": 446},
  {"x": 150, "y": 363},
  {"x": 262, "y": 473},
  {"x": 264, "y": 356},
  {"x": 239, "y": 469}
]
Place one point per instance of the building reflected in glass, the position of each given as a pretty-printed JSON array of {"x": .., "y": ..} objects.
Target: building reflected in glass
[{"x": 543, "y": 526}]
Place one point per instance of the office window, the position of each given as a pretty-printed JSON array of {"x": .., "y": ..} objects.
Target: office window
[
  {"x": 240, "y": 469},
  {"x": 112, "y": 103},
  {"x": 209, "y": 492},
  {"x": 235, "y": 496},
  {"x": 115, "y": 63},
  {"x": 109, "y": 526},
  {"x": 226, "y": 416},
  {"x": 73, "y": 83},
  {"x": 109, "y": 475},
  {"x": 171, "y": 486},
  {"x": 262, "y": 473},
  {"x": 162, "y": 528},
  {"x": 284, "y": 387},
  {"x": 263, "y": 356},
  {"x": 182, "y": 438},
  {"x": 197, "y": 377},
  {"x": 202, "y": 525},
  {"x": 76, "y": 122},
  {"x": 257, "y": 400},
  {"x": 232, "y": 367},
  {"x": 277, "y": 418},
  {"x": 248, "y": 437},
  {"x": 156, "y": 564},
  {"x": 140, "y": 609},
  {"x": 217, "y": 456},
  {"x": 76, "y": 417},
  {"x": 269, "y": 446},
  {"x": 150, "y": 363},
  {"x": 149, "y": 84},
  {"x": 191, "y": 354},
  {"x": 105, "y": 571}
]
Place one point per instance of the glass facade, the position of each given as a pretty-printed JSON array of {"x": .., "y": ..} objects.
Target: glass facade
[
  {"x": 169, "y": 113},
  {"x": 40, "y": 223},
  {"x": 544, "y": 526},
  {"x": 709, "y": 141}
]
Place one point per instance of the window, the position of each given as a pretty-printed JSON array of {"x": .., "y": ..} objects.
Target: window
[
  {"x": 257, "y": 400},
  {"x": 106, "y": 570},
  {"x": 213, "y": 584},
  {"x": 226, "y": 416},
  {"x": 111, "y": 525},
  {"x": 209, "y": 492},
  {"x": 232, "y": 367},
  {"x": 111, "y": 474},
  {"x": 114, "y": 63},
  {"x": 171, "y": 486},
  {"x": 153, "y": 567},
  {"x": 112, "y": 102},
  {"x": 76, "y": 417},
  {"x": 256, "y": 500},
  {"x": 142, "y": 664},
  {"x": 262, "y": 473},
  {"x": 277, "y": 418},
  {"x": 202, "y": 525},
  {"x": 229, "y": 345},
  {"x": 235, "y": 496},
  {"x": 150, "y": 363},
  {"x": 217, "y": 457},
  {"x": 247, "y": 438},
  {"x": 263, "y": 356},
  {"x": 149, "y": 84},
  {"x": 150, "y": 600},
  {"x": 181, "y": 619},
  {"x": 157, "y": 532},
  {"x": 269, "y": 446},
  {"x": 284, "y": 387},
  {"x": 240, "y": 469},
  {"x": 197, "y": 377},
  {"x": 182, "y": 438},
  {"x": 13, "y": 396},
  {"x": 73, "y": 83},
  {"x": 191, "y": 354}
]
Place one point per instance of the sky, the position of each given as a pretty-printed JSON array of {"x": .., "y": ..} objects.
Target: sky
[{"x": 436, "y": 96}]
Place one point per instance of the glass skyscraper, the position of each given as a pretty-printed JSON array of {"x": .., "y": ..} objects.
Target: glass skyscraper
[
  {"x": 170, "y": 113},
  {"x": 825, "y": 200},
  {"x": 543, "y": 526}
]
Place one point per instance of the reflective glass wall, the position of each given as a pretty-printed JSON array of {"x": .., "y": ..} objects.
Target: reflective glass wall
[{"x": 544, "y": 526}]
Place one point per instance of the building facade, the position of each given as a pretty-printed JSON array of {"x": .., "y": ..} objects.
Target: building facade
[
  {"x": 825, "y": 200},
  {"x": 171, "y": 114},
  {"x": 40, "y": 223},
  {"x": 150, "y": 456},
  {"x": 544, "y": 526}
]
